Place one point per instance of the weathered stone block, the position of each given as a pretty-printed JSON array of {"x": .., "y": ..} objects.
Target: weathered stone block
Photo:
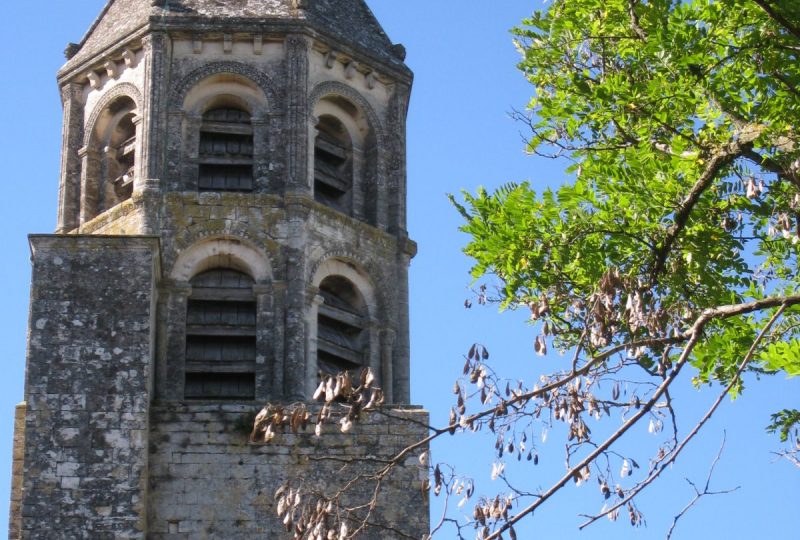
[{"x": 105, "y": 276}]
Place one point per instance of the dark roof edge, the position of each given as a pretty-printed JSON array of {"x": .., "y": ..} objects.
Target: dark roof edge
[
  {"x": 95, "y": 23},
  {"x": 396, "y": 68},
  {"x": 75, "y": 66},
  {"x": 377, "y": 23}
]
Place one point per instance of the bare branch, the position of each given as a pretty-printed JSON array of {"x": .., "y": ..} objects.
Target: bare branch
[
  {"x": 792, "y": 456},
  {"x": 670, "y": 458},
  {"x": 613, "y": 438},
  {"x": 700, "y": 494}
]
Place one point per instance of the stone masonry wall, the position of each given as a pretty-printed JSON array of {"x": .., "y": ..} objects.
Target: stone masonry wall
[
  {"x": 87, "y": 389},
  {"x": 17, "y": 469},
  {"x": 209, "y": 482},
  {"x": 123, "y": 219}
]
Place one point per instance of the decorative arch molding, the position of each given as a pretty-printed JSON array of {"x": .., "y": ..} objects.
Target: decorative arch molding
[
  {"x": 258, "y": 77},
  {"x": 335, "y": 88},
  {"x": 346, "y": 265},
  {"x": 120, "y": 90},
  {"x": 222, "y": 252}
]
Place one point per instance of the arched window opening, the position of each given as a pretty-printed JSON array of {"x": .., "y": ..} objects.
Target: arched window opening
[
  {"x": 226, "y": 150},
  {"x": 115, "y": 138},
  {"x": 122, "y": 153},
  {"x": 221, "y": 336},
  {"x": 333, "y": 164},
  {"x": 341, "y": 335}
]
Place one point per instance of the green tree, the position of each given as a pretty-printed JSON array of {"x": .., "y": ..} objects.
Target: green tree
[
  {"x": 675, "y": 246},
  {"x": 673, "y": 249}
]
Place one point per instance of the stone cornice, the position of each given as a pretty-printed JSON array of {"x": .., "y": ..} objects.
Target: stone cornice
[
  {"x": 79, "y": 65},
  {"x": 269, "y": 29}
]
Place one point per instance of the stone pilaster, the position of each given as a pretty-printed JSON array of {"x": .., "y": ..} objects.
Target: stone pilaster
[
  {"x": 69, "y": 196},
  {"x": 278, "y": 339},
  {"x": 265, "y": 324},
  {"x": 388, "y": 337},
  {"x": 297, "y": 51},
  {"x": 90, "y": 183},
  {"x": 296, "y": 304},
  {"x": 261, "y": 155},
  {"x": 396, "y": 159},
  {"x": 312, "y": 323},
  {"x": 402, "y": 348},
  {"x": 174, "y": 369},
  {"x": 156, "y": 90}
]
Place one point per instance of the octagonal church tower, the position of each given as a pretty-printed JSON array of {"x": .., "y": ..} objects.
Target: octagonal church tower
[{"x": 231, "y": 226}]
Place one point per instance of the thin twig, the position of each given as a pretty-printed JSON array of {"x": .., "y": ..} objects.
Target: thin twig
[
  {"x": 699, "y": 494},
  {"x": 670, "y": 458},
  {"x": 697, "y": 333}
]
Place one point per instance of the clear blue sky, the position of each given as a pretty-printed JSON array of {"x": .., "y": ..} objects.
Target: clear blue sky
[{"x": 459, "y": 136}]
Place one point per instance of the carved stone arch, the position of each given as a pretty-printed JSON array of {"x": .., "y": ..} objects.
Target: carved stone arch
[
  {"x": 222, "y": 251},
  {"x": 261, "y": 79},
  {"x": 120, "y": 90},
  {"x": 363, "y": 275},
  {"x": 335, "y": 88},
  {"x": 230, "y": 229}
]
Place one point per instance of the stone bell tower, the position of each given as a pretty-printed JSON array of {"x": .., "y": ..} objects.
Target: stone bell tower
[{"x": 231, "y": 227}]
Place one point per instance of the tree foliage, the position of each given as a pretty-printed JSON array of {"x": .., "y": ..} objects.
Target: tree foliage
[
  {"x": 675, "y": 243},
  {"x": 672, "y": 249}
]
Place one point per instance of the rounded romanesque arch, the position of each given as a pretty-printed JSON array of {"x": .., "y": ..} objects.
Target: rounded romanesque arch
[
  {"x": 109, "y": 156},
  {"x": 222, "y": 252},
  {"x": 261, "y": 79},
  {"x": 349, "y": 142},
  {"x": 342, "y": 321},
  {"x": 337, "y": 89},
  {"x": 114, "y": 93},
  {"x": 348, "y": 265},
  {"x": 221, "y": 113}
]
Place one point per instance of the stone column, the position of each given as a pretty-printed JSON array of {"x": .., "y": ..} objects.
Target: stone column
[
  {"x": 175, "y": 154},
  {"x": 275, "y": 159},
  {"x": 173, "y": 370},
  {"x": 312, "y": 322},
  {"x": 156, "y": 91},
  {"x": 388, "y": 337},
  {"x": 145, "y": 189},
  {"x": 401, "y": 368},
  {"x": 190, "y": 169},
  {"x": 90, "y": 183},
  {"x": 313, "y": 131},
  {"x": 265, "y": 324},
  {"x": 278, "y": 375},
  {"x": 372, "y": 353},
  {"x": 69, "y": 196},
  {"x": 260, "y": 153},
  {"x": 297, "y": 51},
  {"x": 162, "y": 336},
  {"x": 396, "y": 164},
  {"x": 296, "y": 304},
  {"x": 360, "y": 179},
  {"x": 375, "y": 192},
  {"x": 139, "y": 179}
]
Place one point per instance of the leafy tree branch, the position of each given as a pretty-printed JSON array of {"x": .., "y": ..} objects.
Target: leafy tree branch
[{"x": 668, "y": 257}]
